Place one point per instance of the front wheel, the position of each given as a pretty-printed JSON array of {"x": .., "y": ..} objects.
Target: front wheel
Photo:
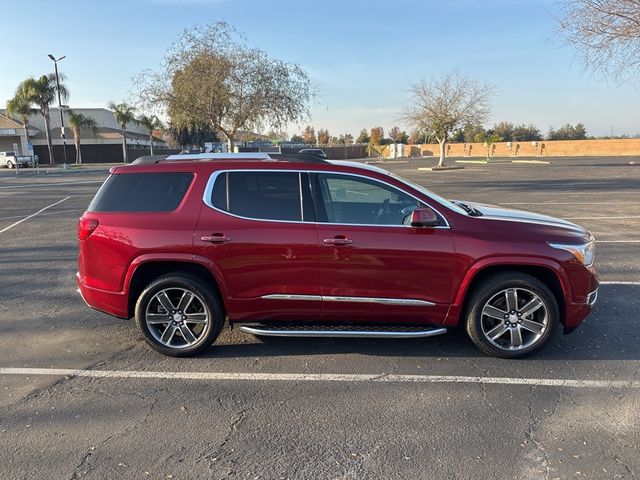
[
  {"x": 9, "y": 164},
  {"x": 512, "y": 315},
  {"x": 179, "y": 315}
]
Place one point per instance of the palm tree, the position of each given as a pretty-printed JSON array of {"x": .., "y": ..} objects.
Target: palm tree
[
  {"x": 78, "y": 121},
  {"x": 20, "y": 106},
  {"x": 42, "y": 93},
  {"x": 124, "y": 114},
  {"x": 151, "y": 123}
]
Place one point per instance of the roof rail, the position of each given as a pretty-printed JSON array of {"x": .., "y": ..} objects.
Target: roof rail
[{"x": 284, "y": 157}]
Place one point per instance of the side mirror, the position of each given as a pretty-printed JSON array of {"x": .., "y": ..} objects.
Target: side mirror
[{"x": 423, "y": 217}]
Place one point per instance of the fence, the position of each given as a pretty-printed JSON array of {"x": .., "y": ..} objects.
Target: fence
[{"x": 95, "y": 153}]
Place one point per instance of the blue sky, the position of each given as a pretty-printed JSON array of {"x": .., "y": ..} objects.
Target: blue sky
[{"x": 362, "y": 55}]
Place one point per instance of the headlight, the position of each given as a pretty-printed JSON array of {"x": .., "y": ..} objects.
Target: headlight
[{"x": 585, "y": 252}]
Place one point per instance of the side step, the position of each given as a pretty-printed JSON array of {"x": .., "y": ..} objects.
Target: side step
[{"x": 342, "y": 331}]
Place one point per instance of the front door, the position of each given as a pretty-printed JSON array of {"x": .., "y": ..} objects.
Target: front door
[
  {"x": 374, "y": 266},
  {"x": 253, "y": 230}
]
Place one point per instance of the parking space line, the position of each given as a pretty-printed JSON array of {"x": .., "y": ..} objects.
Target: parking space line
[
  {"x": 322, "y": 377},
  {"x": 48, "y": 213},
  {"x": 567, "y": 203},
  {"x": 617, "y": 241},
  {"x": 601, "y": 218},
  {"x": 622, "y": 282},
  {"x": 33, "y": 215},
  {"x": 51, "y": 184}
]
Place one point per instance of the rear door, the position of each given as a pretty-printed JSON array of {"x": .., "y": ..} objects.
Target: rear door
[
  {"x": 257, "y": 227},
  {"x": 374, "y": 267}
]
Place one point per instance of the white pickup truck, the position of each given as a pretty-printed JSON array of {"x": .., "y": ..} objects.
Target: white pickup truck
[{"x": 10, "y": 160}]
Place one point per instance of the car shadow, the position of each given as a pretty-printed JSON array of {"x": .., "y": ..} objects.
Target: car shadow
[{"x": 609, "y": 333}]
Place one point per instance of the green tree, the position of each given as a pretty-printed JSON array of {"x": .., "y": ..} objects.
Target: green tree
[
  {"x": 297, "y": 138},
  {"x": 151, "y": 123},
  {"x": 504, "y": 130},
  {"x": 42, "y": 92},
  {"x": 488, "y": 139},
  {"x": 20, "y": 106},
  {"x": 568, "y": 132},
  {"x": 77, "y": 122},
  {"x": 442, "y": 105},
  {"x": 363, "y": 137},
  {"x": 124, "y": 114},
  {"x": 526, "y": 133},
  {"x": 209, "y": 75}
]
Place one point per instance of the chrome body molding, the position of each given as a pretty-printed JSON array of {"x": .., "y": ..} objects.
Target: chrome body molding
[
  {"x": 286, "y": 296},
  {"x": 330, "y": 298},
  {"x": 355, "y": 333}
]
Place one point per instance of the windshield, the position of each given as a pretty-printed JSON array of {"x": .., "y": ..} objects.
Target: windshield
[{"x": 430, "y": 194}]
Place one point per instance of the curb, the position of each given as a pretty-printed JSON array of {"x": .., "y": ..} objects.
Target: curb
[
  {"x": 538, "y": 162},
  {"x": 439, "y": 169}
]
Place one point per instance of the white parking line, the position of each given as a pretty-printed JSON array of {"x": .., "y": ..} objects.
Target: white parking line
[
  {"x": 33, "y": 215},
  {"x": 617, "y": 241},
  {"x": 51, "y": 184},
  {"x": 601, "y": 218},
  {"x": 49, "y": 213},
  {"x": 611, "y": 282},
  {"x": 566, "y": 203},
  {"x": 322, "y": 377}
]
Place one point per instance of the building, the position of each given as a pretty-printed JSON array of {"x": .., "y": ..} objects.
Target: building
[
  {"x": 13, "y": 137},
  {"x": 100, "y": 145}
]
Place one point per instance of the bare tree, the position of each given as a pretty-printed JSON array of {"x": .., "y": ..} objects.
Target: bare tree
[
  {"x": 606, "y": 34},
  {"x": 441, "y": 105},
  {"x": 211, "y": 77}
]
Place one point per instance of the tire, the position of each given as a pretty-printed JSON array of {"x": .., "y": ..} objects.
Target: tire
[
  {"x": 9, "y": 164},
  {"x": 499, "y": 329},
  {"x": 172, "y": 329}
]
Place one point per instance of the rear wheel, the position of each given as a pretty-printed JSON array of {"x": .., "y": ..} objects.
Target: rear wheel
[
  {"x": 512, "y": 315},
  {"x": 10, "y": 164},
  {"x": 179, "y": 315}
]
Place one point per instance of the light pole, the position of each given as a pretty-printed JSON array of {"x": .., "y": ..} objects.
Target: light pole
[{"x": 62, "y": 134}]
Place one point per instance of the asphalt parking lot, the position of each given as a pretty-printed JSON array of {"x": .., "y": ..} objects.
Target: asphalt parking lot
[{"x": 318, "y": 409}]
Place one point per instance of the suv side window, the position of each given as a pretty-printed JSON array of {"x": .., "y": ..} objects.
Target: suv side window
[
  {"x": 356, "y": 200},
  {"x": 259, "y": 195},
  {"x": 141, "y": 192}
]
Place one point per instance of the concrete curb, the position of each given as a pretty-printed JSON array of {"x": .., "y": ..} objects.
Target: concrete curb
[{"x": 439, "y": 169}]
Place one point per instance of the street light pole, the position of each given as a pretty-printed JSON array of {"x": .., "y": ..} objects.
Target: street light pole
[{"x": 62, "y": 134}]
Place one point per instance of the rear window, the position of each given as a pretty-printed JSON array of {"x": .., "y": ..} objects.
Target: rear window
[{"x": 141, "y": 192}]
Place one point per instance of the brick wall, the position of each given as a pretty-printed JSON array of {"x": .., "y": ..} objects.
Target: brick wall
[{"x": 544, "y": 148}]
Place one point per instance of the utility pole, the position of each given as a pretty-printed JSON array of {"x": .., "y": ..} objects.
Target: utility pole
[{"x": 62, "y": 134}]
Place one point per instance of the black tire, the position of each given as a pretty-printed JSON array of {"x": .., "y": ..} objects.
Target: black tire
[
  {"x": 9, "y": 164},
  {"x": 206, "y": 301},
  {"x": 479, "y": 325}
]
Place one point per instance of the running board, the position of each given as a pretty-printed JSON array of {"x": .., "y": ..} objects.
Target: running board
[{"x": 350, "y": 331}]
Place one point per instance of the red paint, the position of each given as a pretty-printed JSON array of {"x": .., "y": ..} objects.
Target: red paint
[{"x": 251, "y": 258}]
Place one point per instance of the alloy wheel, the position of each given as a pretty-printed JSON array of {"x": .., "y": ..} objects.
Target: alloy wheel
[{"x": 514, "y": 319}]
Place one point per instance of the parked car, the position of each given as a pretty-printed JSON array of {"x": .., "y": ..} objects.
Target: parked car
[
  {"x": 318, "y": 152},
  {"x": 307, "y": 247},
  {"x": 11, "y": 159}
]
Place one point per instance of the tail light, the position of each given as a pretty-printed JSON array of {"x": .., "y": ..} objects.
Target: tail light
[{"x": 86, "y": 226}]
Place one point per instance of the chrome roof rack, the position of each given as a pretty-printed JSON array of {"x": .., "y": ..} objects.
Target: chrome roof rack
[{"x": 261, "y": 156}]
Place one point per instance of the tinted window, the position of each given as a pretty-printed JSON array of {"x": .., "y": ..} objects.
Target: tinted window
[
  {"x": 356, "y": 200},
  {"x": 261, "y": 195},
  {"x": 141, "y": 192}
]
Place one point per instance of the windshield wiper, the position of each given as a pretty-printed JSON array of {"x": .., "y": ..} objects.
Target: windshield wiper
[{"x": 474, "y": 212}]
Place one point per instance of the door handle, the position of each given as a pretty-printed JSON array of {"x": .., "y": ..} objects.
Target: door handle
[
  {"x": 215, "y": 238},
  {"x": 338, "y": 241}
]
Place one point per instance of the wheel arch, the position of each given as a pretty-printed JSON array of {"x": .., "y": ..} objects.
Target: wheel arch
[
  {"x": 550, "y": 273},
  {"x": 144, "y": 270}
]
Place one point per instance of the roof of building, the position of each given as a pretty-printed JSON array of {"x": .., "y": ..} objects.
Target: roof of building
[
  {"x": 6, "y": 122},
  {"x": 99, "y": 133}
]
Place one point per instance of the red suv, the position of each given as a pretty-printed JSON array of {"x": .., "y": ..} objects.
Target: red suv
[{"x": 302, "y": 246}]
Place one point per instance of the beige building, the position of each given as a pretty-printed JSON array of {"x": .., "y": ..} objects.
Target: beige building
[{"x": 12, "y": 136}]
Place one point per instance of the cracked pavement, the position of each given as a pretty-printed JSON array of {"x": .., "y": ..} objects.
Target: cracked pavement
[{"x": 70, "y": 428}]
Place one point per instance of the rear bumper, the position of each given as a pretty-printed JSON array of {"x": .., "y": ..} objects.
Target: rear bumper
[{"x": 112, "y": 303}]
